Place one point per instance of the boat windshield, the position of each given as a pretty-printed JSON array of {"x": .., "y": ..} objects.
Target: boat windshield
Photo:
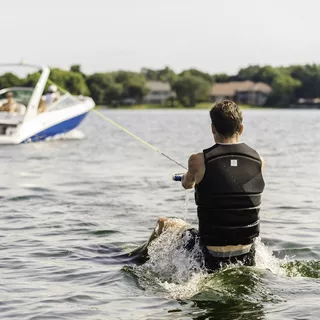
[
  {"x": 64, "y": 102},
  {"x": 20, "y": 95}
]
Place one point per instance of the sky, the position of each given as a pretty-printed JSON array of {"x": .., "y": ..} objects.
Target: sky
[{"x": 215, "y": 36}]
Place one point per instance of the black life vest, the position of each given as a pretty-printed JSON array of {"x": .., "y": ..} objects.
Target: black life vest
[{"x": 229, "y": 195}]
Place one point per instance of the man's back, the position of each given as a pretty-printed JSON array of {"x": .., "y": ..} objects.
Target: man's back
[{"x": 229, "y": 195}]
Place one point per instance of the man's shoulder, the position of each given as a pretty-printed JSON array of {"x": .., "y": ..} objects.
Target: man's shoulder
[
  {"x": 251, "y": 149},
  {"x": 196, "y": 156},
  {"x": 196, "y": 160},
  {"x": 256, "y": 154}
]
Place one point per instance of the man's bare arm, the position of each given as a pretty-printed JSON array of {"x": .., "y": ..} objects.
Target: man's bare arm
[{"x": 189, "y": 179}]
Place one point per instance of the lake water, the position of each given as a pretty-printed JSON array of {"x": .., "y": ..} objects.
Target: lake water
[{"x": 68, "y": 206}]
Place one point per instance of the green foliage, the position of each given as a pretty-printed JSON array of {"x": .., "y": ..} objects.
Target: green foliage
[
  {"x": 31, "y": 79},
  {"x": 197, "y": 73},
  {"x": 248, "y": 73},
  {"x": 9, "y": 80},
  {"x": 165, "y": 75},
  {"x": 76, "y": 68},
  {"x": 191, "y": 89},
  {"x": 220, "y": 77},
  {"x": 71, "y": 81},
  {"x": 104, "y": 89},
  {"x": 309, "y": 76},
  {"x": 259, "y": 74},
  {"x": 134, "y": 84},
  {"x": 112, "y": 88},
  {"x": 149, "y": 74},
  {"x": 284, "y": 87}
]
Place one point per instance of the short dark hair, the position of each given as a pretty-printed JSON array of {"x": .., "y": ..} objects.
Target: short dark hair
[{"x": 226, "y": 117}]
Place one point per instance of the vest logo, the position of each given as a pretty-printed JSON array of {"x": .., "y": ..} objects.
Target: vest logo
[{"x": 233, "y": 162}]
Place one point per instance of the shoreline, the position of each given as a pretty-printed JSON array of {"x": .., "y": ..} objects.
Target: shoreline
[{"x": 200, "y": 106}]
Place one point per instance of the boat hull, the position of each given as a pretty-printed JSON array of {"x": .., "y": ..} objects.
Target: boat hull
[
  {"x": 57, "y": 129},
  {"x": 49, "y": 124}
]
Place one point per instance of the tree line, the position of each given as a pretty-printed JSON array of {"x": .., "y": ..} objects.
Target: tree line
[{"x": 191, "y": 86}]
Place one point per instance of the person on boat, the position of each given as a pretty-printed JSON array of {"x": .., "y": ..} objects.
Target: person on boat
[
  {"x": 228, "y": 183},
  {"x": 11, "y": 105},
  {"x": 52, "y": 95},
  {"x": 42, "y": 105}
]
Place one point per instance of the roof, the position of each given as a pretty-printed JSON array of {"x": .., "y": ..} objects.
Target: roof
[
  {"x": 230, "y": 88},
  {"x": 158, "y": 86},
  {"x": 262, "y": 87}
]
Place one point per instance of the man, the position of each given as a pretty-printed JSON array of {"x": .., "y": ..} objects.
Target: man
[
  {"x": 10, "y": 105},
  {"x": 228, "y": 185},
  {"x": 42, "y": 105}
]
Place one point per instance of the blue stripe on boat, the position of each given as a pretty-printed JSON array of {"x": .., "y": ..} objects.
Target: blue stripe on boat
[{"x": 59, "y": 128}]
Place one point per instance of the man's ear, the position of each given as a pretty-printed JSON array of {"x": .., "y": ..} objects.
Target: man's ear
[{"x": 241, "y": 129}]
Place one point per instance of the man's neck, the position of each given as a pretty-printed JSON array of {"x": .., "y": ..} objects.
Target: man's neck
[{"x": 222, "y": 139}]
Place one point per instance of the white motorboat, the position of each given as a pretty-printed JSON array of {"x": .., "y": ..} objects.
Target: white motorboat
[{"x": 27, "y": 123}]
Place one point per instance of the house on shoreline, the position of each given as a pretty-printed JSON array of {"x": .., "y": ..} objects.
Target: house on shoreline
[
  {"x": 242, "y": 92},
  {"x": 159, "y": 92}
]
